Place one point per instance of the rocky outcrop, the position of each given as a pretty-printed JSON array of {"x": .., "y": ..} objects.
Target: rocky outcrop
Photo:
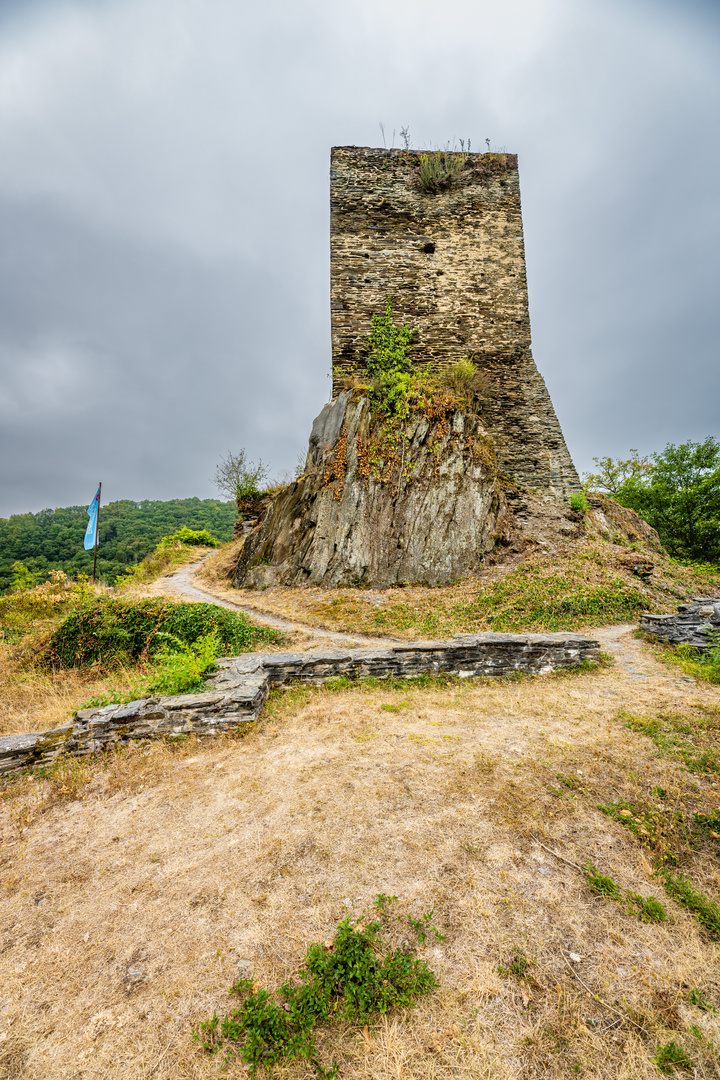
[
  {"x": 695, "y": 623},
  {"x": 241, "y": 685},
  {"x": 420, "y": 503}
]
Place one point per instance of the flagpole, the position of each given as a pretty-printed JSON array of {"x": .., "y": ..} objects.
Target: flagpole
[{"x": 97, "y": 526}]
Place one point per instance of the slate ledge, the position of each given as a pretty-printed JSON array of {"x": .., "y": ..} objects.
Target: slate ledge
[
  {"x": 693, "y": 624},
  {"x": 241, "y": 684}
]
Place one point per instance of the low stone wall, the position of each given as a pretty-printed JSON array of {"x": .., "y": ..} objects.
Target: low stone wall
[
  {"x": 241, "y": 684},
  {"x": 692, "y": 625}
]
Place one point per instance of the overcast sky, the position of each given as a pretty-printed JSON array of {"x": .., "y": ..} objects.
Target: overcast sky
[{"x": 164, "y": 217}]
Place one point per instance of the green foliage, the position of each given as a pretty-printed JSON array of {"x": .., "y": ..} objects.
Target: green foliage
[
  {"x": 239, "y": 479},
  {"x": 21, "y": 578},
  {"x": 615, "y": 476},
  {"x": 517, "y": 966},
  {"x": 438, "y": 170},
  {"x": 113, "y": 631},
  {"x": 701, "y": 663},
  {"x": 647, "y": 908},
  {"x": 423, "y": 927},
  {"x": 670, "y": 1057},
  {"x": 684, "y": 892},
  {"x": 388, "y": 344},
  {"x": 179, "y": 670},
  {"x": 352, "y": 979},
  {"x": 129, "y": 531},
  {"x": 190, "y": 537},
  {"x": 599, "y": 883},
  {"x": 697, "y": 998},
  {"x": 527, "y": 599},
  {"x": 578, "y": 502},
  {"x": 676, "y": 491}
]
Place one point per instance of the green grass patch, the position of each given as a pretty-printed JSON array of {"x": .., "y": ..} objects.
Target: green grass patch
[
  {"x": 353, "y": 980},
  {"x": 684, "y": 892},
  {"x": 692, "y": 737},
  {"x": 703, "y": 664}
]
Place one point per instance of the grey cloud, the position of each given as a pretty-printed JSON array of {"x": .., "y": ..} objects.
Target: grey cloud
[{"x": 164, "y": 217}]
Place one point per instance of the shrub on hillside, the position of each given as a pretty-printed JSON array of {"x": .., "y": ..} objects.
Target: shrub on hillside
[
  {"x": 114, "y": 631},
  {"x": 676, "y": 491}
]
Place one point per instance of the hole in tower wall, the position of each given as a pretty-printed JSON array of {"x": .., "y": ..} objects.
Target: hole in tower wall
[{"x": 429, "y": 248}]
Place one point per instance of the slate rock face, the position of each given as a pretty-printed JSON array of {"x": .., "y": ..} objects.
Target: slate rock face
[{"x": 439, "y": 506}]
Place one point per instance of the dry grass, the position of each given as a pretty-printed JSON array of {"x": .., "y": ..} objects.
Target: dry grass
[
  {"x": 32, "y": 700},
  {"x": 134, "y": 888},
  {"x": 578, "y": 585}
]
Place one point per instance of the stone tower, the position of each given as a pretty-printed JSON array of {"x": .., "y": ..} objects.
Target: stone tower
[{"x": 453, "y": 262}]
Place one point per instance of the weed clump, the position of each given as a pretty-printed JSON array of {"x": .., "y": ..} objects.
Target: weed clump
[
  {"x": 350, "y": 979},
  {"x": 684, "y": 892},
  {"x": 670, "y": 1056},
  {"x": 600, "y": 883}
]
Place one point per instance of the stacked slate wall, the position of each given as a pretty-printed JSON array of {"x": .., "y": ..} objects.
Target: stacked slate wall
[{"x": 453, "y": 263}]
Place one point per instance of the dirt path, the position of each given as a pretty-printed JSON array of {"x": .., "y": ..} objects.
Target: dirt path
[
  {"x": 629, "y": 653},
  {"x": 182, "y": 583}
]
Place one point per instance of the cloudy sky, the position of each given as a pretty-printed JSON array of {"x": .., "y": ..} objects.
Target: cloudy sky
[{"x": 164, "y": 218}]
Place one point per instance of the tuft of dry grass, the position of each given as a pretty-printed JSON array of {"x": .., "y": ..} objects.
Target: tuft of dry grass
[{"x": 131, "y": 901}]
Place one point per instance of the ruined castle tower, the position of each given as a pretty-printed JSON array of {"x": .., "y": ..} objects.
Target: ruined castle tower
[
  {"x": 430, "y": 503},
  {"x": 453, "y": 262}
]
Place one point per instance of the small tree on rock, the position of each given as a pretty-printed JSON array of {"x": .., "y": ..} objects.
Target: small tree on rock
[{"x": 240, "y": 479}]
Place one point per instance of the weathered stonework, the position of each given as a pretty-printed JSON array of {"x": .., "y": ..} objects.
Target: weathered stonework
[
  {"x": 454, "y": 265},
  {"x": 242, "y": 683},
  {"x": 693, "y": 625},
  {"x": 337, "y": 525}
]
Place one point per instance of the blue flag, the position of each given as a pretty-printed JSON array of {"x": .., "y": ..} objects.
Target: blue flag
[{"x": 92, "y": 523}]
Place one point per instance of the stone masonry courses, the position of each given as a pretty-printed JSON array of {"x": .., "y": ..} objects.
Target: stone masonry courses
[
  {"x": 241, "y": 684},
  {"x": 453, "y": 263}
]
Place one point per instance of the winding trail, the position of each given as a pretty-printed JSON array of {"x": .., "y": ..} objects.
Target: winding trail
[
  {"x": 181, "y": 583},
  {"x": 631, "y": 656}
]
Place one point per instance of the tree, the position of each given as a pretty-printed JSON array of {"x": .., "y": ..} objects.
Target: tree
[
  {"x": 676, "y": 491},
  {"x": 240, "y": 479},
  {"x": 614, "y": 476}
]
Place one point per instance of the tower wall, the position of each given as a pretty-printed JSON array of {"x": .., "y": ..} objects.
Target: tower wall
[{"x": 453, "y": 263}]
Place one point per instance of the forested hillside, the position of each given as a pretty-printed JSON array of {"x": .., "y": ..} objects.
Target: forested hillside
[{"x": 53, "y": 539}]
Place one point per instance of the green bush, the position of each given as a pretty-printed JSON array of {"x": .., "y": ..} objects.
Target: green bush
[
  {"x": 191, "y": 537},
  {"x": 350, "y": 980},
  {"x": 115, "y": 631},
  {"x": 676, "y": 491}
]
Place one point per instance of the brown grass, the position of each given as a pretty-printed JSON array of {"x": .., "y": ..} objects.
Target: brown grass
[
  {"x": 32, "y": 700},
  {"x": 135, "y": 887}
]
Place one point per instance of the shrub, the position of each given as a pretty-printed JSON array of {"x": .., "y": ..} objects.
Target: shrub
[
  {"x": 464, "y": 379},
  {"x": 114, "y": 631},
  {"x": 578, "y": 502},
  {"x": 191, "y": 537},
  {"x": 240, "y": 479}
]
